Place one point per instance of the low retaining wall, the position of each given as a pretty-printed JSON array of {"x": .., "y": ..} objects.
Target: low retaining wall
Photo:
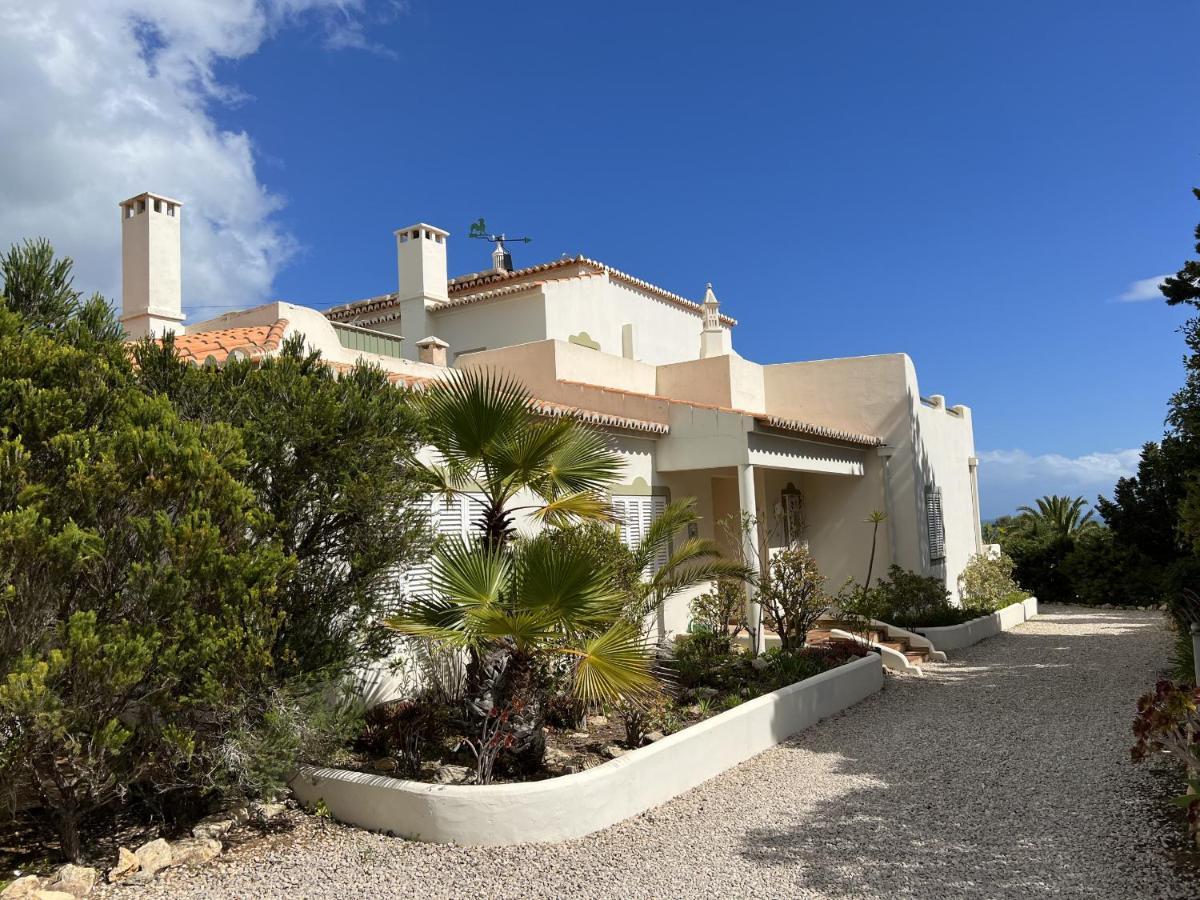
[
  {"x": 571, "y": 806},
  {"x": 955, "y": 637}
]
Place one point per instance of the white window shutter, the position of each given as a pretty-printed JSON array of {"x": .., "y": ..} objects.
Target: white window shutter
[
  {"x": 935, "y": 524},
  {"x": 636, "y": 515}
]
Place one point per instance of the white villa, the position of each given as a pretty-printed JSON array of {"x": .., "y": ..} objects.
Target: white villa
[{"x": 809, "y": 448}]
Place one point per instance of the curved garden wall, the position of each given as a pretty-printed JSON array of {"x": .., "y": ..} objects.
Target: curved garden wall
[
  {"x": 955, "y": 637},
  {"x": 574, "y": 805}
]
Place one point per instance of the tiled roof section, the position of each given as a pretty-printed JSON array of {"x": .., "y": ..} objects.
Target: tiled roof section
[
  {"x": 593, "y": 417},
  {"x": 477, "y": 288},
  {"x": 256, "y": 340},
  {"x": 470, "y": 283},
  {"x": 358, "y": 308},
  {"x": 780, "y": 424},
  {"x": 819, "y": 431}
]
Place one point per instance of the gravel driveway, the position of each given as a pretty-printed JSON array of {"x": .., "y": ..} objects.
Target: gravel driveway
[{"x": 1003, "y": 773}]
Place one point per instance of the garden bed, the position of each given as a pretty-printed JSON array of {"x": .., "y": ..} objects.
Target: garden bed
[
  {"x": 955, "y": 637},
  {"x": 573, "y": 805}
]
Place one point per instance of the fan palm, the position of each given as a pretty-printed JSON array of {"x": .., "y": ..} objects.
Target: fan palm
[
  {"x": 490, "y": 442},
  {"x": 512, "y": 607},
  {"x": 1061, "y": 516}
]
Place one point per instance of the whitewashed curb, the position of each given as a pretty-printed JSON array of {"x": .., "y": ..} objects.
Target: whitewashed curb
[
  {"x": 571, "y": 806},
  {"x": 955, "y": 637}
]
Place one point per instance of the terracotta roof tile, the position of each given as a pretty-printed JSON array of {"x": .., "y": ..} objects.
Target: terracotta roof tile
[{"x": 255, "y": 340}]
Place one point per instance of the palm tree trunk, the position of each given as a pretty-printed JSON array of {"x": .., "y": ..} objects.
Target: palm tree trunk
[{"x": 501, "y": 680}]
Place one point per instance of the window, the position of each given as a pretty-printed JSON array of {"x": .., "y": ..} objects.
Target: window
[
  {"x": 634, "y": 517},
  {"x": 935, "y": 524},
  {"x": 453, "y": 518}
]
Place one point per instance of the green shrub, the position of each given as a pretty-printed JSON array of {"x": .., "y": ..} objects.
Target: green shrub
[
  {"x": 715, "y": 612},
  {"x": 987, "y": 583},
  {"x": 906, "y": 599}
]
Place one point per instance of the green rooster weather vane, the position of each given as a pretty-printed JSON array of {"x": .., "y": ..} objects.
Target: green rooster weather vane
[{"x": 501, "y": 258}]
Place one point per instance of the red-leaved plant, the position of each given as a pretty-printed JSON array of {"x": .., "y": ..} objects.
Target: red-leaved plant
[{"x": 1168, "y": 720}]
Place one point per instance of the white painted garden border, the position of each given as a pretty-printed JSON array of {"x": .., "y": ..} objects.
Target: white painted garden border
[
  {"x": 571, "y": 806},
  {"x": 955, "y": 637}
]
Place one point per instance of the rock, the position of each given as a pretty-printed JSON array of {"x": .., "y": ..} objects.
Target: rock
[
  {"x": 193, "y": 851},
  {"x": 387, "y": 764},
  {"x": 598, "y": 721},
  {"x": 450, "y": 774},
  {"x": 759, "y": 663},
  {"x": 612, "y": 751},
  {"x": 580, "y": 735},
  {"x": 653, "y": 737},
  {"x": 127, "y": 864},
  {"x": 556, "y": 757},
  {"x": 215, "y": 826},
  {"x": 153, "y": 855},
  {"x": 706, "y": 693},
  {"x": 26, "y": 886},
  {"x": 74, "y": 880},
  {"x": 52, "y": 895},
  {"x": 265, "y": 812}
]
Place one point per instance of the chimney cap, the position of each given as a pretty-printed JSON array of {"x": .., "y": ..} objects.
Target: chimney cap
[
  {"x": 432, "y": 341},
  {"x": 424, "y": 225},
  {"x": 144, "y": 195}
]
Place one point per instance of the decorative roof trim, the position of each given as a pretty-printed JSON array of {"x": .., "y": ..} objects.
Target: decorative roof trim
[
  {"x": 820, "y": 431},
  {"x": 592, "y": 417},
  {"x": 776, "y": 422},
  {"x": 470, "y": 288}
]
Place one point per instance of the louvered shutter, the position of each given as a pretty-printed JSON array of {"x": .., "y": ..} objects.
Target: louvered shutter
[
  {"x": 635, "y": 515},
  {"x": 935, "y": 524}
]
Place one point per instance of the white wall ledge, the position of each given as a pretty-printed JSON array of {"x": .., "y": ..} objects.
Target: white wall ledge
[
  {"x": 956, "y": 637},
  {"x": 571, "y": 806}
]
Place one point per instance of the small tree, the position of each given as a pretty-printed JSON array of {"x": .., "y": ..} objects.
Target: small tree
[{"x": 792, "y": 594}]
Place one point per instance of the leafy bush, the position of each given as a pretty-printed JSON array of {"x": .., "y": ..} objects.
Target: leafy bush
[
  {"x": 714, "y": 612},
  {"x": 1168, "y": 720},
  {"x": 179, "y": 597},
  {"x": 987, "y": 583},
  {"x": 907, "y": 599},
  {"x": 792, "y": 595},
  {"x": 136, "y": 589}
]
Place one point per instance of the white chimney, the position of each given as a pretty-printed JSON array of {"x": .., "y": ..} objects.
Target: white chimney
[
  {"x": 713, "y": 337},
  {"x": 151, "y": 281},
  {"x": 421, "y": 260}
]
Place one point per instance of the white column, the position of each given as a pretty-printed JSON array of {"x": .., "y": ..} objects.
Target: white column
[
  {"x": 885, "y": 457},
  {"x": 973, "y": 465},
  {"x": 748, "y": 501}
]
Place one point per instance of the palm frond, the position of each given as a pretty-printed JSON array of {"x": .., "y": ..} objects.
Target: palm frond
[
  {"x": 564, "y": 583},
  {"x": 581, "y": 461},
  {"x": 583, "y": 505},
  {"x": 674, "y": 519},
  {"x": 471, "y": 412},
  {"x": 613, "y": 665},
  {"x": 470, "y": 575}
]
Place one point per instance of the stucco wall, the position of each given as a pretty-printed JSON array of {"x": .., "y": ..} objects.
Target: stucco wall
[
  {"x": 489, "y": 324},
  {"x": 880, "y": 395},
  {"x": 718, "y": 380},
  {"x": 662, "y": 331}
]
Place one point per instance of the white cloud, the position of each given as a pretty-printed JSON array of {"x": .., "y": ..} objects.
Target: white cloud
[
  {"x": 1142, "y": 290},
  {"x": 1011, "y": 478},
  {"x": 103, "y": 99}
]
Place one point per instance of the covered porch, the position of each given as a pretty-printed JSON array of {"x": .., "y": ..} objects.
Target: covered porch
[{"x": 797, "y": 487}]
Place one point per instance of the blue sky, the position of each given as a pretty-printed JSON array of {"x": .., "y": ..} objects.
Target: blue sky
[{"x": 977, "y": 185}]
